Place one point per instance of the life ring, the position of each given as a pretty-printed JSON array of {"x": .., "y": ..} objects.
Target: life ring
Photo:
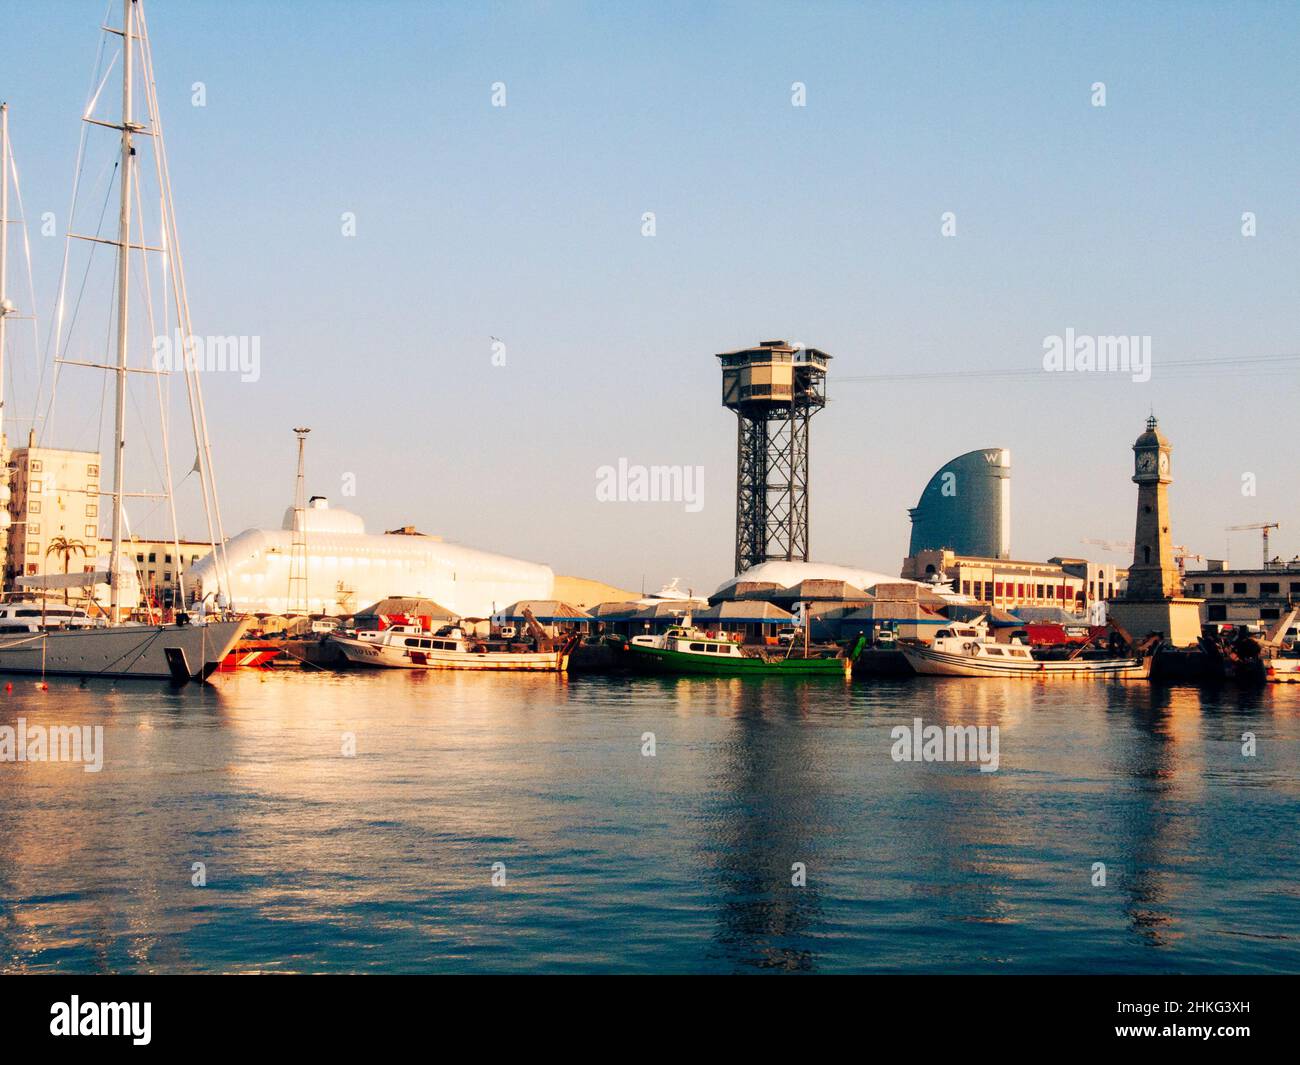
[{"x": 971, "y": 647}]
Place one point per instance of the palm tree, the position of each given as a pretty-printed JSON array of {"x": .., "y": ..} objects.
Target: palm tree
[{"x": 61, "y": 545}]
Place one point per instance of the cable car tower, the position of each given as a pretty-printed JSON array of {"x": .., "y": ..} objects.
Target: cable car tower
[{"x": 775, "y": 388}]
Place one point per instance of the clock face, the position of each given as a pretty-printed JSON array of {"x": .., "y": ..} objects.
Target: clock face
[
  {"x": 1146, "y": 462},
  {"x": 1164, "y": 462}
]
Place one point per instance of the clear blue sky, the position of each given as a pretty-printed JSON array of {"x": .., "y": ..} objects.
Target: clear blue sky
[{"x": 820, "y": 224}]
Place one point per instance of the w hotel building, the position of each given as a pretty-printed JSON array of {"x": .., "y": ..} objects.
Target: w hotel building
[{"x": 961, "y": 535}]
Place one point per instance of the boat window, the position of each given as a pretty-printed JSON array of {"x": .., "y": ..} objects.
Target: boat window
[
  {"x": 412, "y": 642},
  {"x": 994, "y": 650},
  {"x": 697, "y": 647},
  {"x": 1018, "y": 654}
]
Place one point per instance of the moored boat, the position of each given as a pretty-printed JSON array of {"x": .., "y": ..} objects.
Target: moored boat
[
  {"x": 685, "y": 649},
  {"x": 1282, "y": 652},
  {"x": 410, "y": 647},
  {"x": 177, "y": 651},
  {"x": 69, "y": 641},
  {"x": 1282, "y": 670},
  {"x": 965, "y": 651}
]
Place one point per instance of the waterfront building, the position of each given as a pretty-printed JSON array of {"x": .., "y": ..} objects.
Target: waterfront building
[
  {"x": 346, "y": 566},
  {"x": 907, "y": 610},
  {"x": 160, "y": 565},
  {"x": 553, "y": 615},
  {"x": 1245, "y": 596},
  {"x": 638, "y": 618},
  {"x": 53, "y": 500},
  {"x": 1153, "y": 600},
  {"x": 1072, "y": 584},
  {"x": 586, "y": 593},
  {"x": 776, "y": 576},
  {"x": 753, "y": 621},
  {"x": 966, "y": 507}
]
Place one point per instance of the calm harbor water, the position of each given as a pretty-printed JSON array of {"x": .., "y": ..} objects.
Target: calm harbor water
[{"x": 619, "y": 862}]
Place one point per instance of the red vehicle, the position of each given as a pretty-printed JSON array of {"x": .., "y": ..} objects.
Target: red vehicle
[{"x": 1054, "y": 635}]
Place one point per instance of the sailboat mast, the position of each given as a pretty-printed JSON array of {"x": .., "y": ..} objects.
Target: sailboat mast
[
  {"x": 123, "y": 274},
  {"x": 4, "y": 248}
]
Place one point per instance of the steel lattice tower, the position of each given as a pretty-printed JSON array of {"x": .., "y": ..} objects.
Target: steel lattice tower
[
  {"x": 775, "y": 389},
  {"x": 298, "y": 600}
]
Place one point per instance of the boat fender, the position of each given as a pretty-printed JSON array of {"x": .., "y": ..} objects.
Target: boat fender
[{"x": 971, "y": 647}]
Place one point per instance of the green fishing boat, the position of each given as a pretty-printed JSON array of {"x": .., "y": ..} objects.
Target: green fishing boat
[{"x": 688, "y": 650}]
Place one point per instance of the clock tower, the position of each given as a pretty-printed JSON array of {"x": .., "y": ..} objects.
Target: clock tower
[
  {"x": 1154, "y": 574},
  {"x": 1153, "y": 601}
]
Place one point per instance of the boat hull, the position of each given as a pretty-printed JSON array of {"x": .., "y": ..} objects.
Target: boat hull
[
  {"x": 662, "y": 660},
  {"x": 379, "y": 656},
  {"x": 1282, "y": 671},
  {"x": 123, "y": 651},
  {"x": 929, "y": 662}
]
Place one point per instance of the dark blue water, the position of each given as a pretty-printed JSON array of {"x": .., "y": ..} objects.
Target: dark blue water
[{"x": 617, "y": 862}]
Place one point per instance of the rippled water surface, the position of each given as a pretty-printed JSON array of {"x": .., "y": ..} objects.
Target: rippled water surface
[{"x": 614, "y": 861}]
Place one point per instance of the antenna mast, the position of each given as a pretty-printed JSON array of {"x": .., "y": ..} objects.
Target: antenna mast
[{"x": 298, "y": 549}]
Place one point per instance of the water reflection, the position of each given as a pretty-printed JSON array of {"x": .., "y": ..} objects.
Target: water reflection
[
  {"x": 765, "y": 824},
  {"x": 619, "y": 861}
]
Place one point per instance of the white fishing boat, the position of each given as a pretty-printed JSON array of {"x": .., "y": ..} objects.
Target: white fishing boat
[
  {"x": 409, "y": 647},
  {"x": 1283, "y": 670},
  {"x": 1282, "y": 653},
  {"x": 968, "y": 651},
  {"x": 119, "y": 646}
]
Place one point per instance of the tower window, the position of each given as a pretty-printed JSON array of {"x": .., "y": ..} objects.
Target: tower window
[{"x": 1146, "y": 551}]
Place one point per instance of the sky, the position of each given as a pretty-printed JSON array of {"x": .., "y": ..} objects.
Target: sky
[{"x": 821, "y": 223}]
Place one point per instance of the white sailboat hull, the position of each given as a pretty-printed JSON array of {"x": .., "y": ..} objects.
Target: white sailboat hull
[
  {"x": 929, "y": 662},
  {"x": 121, "y": 651},
  {"x": 389, "y": 656}
]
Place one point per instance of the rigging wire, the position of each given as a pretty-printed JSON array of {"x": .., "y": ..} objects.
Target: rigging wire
[
  {"x": 52, "y": 337},
  {"x": 1225, "y": 362}
]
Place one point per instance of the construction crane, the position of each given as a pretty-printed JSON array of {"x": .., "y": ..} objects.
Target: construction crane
[
  {"x": 1181, "y": 555},
  {"x": 1110, "y": 545},
  {"x": 1263, "y": 527}
]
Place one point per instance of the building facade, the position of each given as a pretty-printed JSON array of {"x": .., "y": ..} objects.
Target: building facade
[
  {"x": 1245, "y": 596},
  {"x": 161, "y": 566},
  {"x": 53, "y": 511},
  {"x": 966, "y": 507},
  {"x": 1072, "y": 584}
]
